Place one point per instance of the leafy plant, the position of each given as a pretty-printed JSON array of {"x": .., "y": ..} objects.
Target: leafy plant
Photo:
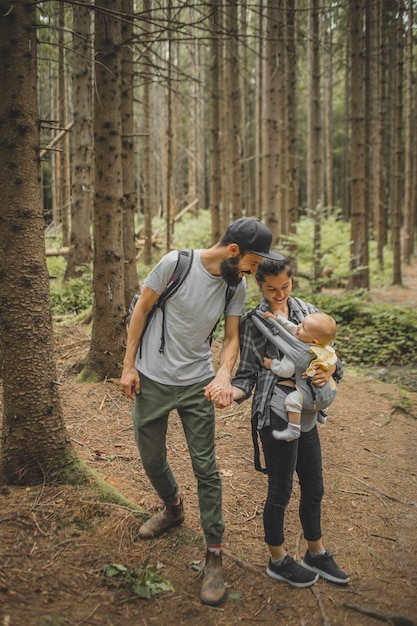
[
  {"x": 144, "y": 580},
  {"x": 404, "y": 404},
  {"x": 370, "y": 334},
  {"x": 335, "y": 251},
  {"x": 72, "y": 296}
]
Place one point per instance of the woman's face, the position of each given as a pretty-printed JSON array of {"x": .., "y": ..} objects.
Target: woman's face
[{"x": 277, "y": 289}]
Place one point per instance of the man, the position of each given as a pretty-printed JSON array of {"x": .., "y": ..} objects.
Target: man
[{"x": 181, "y": 377}]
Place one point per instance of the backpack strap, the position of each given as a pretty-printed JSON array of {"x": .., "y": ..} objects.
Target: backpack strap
[
  {"x": 230, "y": 292},
  {"x": 181, "y": 270},
  {"x": 180, "y": 273}
]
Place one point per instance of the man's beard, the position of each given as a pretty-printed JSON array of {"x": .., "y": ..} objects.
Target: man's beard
[{"x": 229, "y": 270}]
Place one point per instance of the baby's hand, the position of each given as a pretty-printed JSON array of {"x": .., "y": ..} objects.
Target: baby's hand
[
  {"x": 267, "y": 362},
  {"x": 268, "y": 314}
]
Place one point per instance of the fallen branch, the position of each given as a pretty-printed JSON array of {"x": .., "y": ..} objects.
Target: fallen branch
[
  {"x": 316, "y": 594},
  {"x": 397, "y": 620},
  {"x": 140, "y": 242},
  {"x": 57, "y": 251},
  {"x": 55, "y": 140},
  {"x": 380, "y": 494},
  {"x": 242, "y": 564}
]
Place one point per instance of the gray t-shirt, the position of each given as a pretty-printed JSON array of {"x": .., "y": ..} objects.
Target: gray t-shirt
[{"x": 190, "y": 315}]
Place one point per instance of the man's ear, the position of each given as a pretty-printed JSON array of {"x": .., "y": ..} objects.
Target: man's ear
[{"x": 233, "y": 249}]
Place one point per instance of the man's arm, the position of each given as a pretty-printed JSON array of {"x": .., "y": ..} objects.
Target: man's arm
[
  {"x": 219, "y": 389},
  {"x": 129, "y": 379}
]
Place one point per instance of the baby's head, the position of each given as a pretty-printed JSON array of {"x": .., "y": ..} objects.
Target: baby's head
[{"x": 317, "y": 328}]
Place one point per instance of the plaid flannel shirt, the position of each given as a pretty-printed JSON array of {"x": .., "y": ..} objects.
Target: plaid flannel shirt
[{"x": 254, "y": 346}]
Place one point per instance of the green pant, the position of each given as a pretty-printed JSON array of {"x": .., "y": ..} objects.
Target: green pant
[{"x": 150, "y": 419}]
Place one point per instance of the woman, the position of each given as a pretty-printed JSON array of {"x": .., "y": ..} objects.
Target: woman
[{"x": 282, "y": 458}]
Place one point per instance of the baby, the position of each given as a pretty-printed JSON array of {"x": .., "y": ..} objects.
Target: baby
[{"x": 305, "y": 347}]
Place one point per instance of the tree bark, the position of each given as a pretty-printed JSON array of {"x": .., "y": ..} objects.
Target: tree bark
[
  {"x": 397, "y": 196},
  {"x": 314, "y": 133},
  {"x": 410, "y": 151},
  {"x": 215, "y": 153},
  {"x": 108, "y": 333},
  {"x": 359, "y": 220},
  {"x": 291, "y": 117},
  {"x": 148, "y": 191},
  {"x": 235, "y": 109},
  {"x": 260, "y": 199},
  {"x": 271, "y": 118},
  {"x": 80, "y": 253},
  {"x": 128, "y": 156},
  {"x": 65, "y": 194},
  {"x": 35, "y": 444}
]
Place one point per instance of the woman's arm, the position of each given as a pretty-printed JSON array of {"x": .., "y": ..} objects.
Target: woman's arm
[{"x": 252, "y": 351}]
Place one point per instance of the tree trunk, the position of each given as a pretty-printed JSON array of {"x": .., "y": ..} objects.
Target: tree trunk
[
  {"x": 193, "y": 156},
  {"x": 80, "y": 252},
  {"x": 235, "y": 108},
  {"x": 345, "y": 200},
  {"x": 375, "y": 154},
  {"x": 271, "y": 118},
  {"x": 246, "y": 91},
  {"x": 63, "y": 121},
  {"x": 225, "y": 122},
  {"x": 384, "y": 56},
  {"x": 108, "y": 334},
  {"x": 410, "y": 152},
  {"x": 148, "y": 195},
  {"x": 314, "y": 133},
  {"x": 215, "y": 153},
  {"x": 169, "y": 163},
  {"x": 359, "y": 223},
  {"x": 328, "y": 112},
  {"x": 35, "y": 444},
  {"x": 397, "y": 195},
  {"x": 291, "y": 108},
  {"x": 128, "y": 156},
  {"x": 281, "y": 95},
  {"x": 260, "y": 200}
]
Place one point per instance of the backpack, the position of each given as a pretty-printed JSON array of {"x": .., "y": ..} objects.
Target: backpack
[{"x": 181, "y": 270}]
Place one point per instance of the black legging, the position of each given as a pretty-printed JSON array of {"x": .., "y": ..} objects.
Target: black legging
[{"x": 282, "y": 458}]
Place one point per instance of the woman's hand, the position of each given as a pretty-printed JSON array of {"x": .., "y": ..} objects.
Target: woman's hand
[
  {"x": 267, "y": 362},
  {"x": 222, "y": 394},
  {"x": 321, "y": 376}
]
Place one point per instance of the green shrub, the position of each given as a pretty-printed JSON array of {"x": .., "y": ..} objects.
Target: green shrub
[
  {"x": 368, "y": 334},
  {"x": 72, "y": 296},
  {"x": 334, "y": 253}
]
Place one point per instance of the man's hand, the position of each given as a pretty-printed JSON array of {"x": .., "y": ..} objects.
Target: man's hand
[
  {"x": 130, "y": 382},
  {"x": 220, "y": 391}
]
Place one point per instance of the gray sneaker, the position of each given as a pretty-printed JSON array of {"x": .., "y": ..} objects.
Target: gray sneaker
[
  {"x": 324, "y": 566},
  {"x": 291, "y": 572}
]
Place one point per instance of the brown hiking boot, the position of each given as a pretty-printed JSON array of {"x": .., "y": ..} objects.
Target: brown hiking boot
[
  {"x": 155, "y": 526},
  {"x": 213, "y": 589}
]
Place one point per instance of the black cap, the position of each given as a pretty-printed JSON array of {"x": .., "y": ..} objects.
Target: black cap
[{"x": 252, "y": 235}]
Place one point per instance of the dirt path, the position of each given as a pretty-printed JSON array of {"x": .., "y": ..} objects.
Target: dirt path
[{"x": 55, "y": 540}]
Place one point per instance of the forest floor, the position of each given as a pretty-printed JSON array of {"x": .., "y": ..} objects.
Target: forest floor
[{"x": 54, "y": 541}]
